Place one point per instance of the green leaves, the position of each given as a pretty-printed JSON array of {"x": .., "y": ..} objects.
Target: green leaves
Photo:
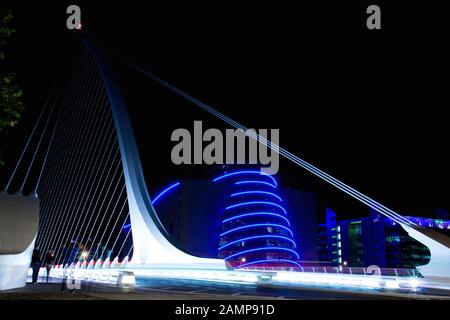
[
  {"x": 6, "y": 30},
  {"x": 11, "y": 105}
]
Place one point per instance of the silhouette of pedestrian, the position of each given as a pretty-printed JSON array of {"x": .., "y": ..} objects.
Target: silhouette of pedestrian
[
  {"x": 35, "y": 264},
  {"x": 49, "y": 259}
]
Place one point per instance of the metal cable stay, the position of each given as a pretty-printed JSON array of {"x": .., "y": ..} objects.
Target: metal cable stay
[
  {"x": 94, "y": 194},
  {"x": 40, "y": 119},
  {"x": 285, "y": 153}
]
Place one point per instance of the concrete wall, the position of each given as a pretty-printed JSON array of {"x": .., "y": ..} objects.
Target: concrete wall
[{"x": 19, "y": 218}]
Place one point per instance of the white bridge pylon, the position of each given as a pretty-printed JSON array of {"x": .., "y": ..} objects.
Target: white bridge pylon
[{"x": 150, "y": 240}]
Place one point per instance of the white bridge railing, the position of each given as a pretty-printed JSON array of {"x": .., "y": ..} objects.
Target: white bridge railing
[
  {"x": 406, "y": 280},
  {"x": 394, "y": 272}
]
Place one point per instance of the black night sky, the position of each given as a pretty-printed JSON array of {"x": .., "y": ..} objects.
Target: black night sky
[{"x": 368, "y": 107}]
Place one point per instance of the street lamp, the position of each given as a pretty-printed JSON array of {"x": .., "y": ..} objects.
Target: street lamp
[{"x": 84, "y": 255}]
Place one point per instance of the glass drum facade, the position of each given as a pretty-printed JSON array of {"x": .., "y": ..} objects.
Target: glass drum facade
[{"x": 255, "y": 229}]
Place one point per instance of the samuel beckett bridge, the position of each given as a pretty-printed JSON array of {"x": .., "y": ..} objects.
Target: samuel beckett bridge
[{"x": 86, "y": 186}]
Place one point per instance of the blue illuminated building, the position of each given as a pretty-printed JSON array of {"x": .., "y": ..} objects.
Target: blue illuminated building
[
  {"x": 374, "y": 240},
  {"x": 191, "y": 214},
  {"x": 246, "y": 210},
  {"x": 255, "y": 230},
  {"x": 329, "y": 240}
]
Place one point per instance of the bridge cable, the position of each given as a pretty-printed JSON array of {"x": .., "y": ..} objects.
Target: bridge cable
[
  {"x": 123, "y": 243},
  {"x": 119, "y": 234},
  {"x": 37, "y": 147},
  {"x": 333, "y": 181},
  {"x": 74, "y": 203},
  {"x": 54, "y": 184},
  {"x": 29, "y": 140},
  {"x": 61, "y": 187},
  {"x": 79, "y": 136},
  {"x": 50, "y": 144},
  {"x": 90, "y": 226}
]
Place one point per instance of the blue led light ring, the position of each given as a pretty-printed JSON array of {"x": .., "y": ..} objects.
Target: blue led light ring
[
  {"x": 266, "y": 236},
  {"x": 176, "y": 184},
  {"x": 257, "y": 214},
  {"x": 163, "y": 192},
  {"x": 256, "y": 192},
  {"x": 270, "y": 261},
  {"x": 256, "y": 203},
  {"x": 255, "y": 182},
  {"x": 246, "y": 172},
  {"x": 263, "y": 249},
  {"x": 256, "y": 225}
]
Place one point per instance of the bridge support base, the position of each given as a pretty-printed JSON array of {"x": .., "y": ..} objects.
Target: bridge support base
[
  {"x": 438, "y": 244},
  {"x": 19, "y": 216}
]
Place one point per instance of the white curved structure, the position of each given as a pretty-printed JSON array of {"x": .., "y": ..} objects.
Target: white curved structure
[
  {"x": 152, "y": 244},
  {"x": 19, "y": 217},
  {"x": 439, "y": 246}
]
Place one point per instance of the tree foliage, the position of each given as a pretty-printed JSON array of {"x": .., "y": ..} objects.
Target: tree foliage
[{"x": 11, "y": 105}]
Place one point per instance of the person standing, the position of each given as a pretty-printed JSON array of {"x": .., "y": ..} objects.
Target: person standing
[
  {"x": 49, "y": 259},
  {"x": 35, "y": 264}
]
